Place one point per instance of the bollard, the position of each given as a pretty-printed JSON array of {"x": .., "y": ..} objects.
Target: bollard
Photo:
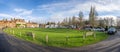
[
  {"x": 94, "y": 35},
  {"x": 84, "y": 35},
  {"x": 13, "y": 31},
  {"x": 10, "y": 31},
  {"x": 46, "y": 38},
  {"x": 20, "y": 34},
  {"x": 33, "y": 36},
  {"x": 67, "y": 39}
]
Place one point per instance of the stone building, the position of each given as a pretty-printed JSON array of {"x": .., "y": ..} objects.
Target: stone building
[
  {"x": 20, "y": 23},
  {"x": 32, "y": 25}
]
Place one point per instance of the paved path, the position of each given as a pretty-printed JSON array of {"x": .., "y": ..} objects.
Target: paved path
[{"x": 11, "y": 44}]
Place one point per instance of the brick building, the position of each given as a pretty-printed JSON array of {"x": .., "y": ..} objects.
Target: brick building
[{"x": 17, "y": 23}]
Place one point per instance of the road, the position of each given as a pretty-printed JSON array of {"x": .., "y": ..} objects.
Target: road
[{"x": 10, "y": 43}]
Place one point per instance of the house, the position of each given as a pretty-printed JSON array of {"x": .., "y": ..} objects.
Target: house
[
  {"x": 32, "y": 25},
  {"x": 20, "y": 23}
]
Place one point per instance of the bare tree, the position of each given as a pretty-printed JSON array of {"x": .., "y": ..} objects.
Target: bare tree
[
  {"x": 81, "y": 18},
  {"x": 70, "y": 21},
  {"x": 111, "y": 21},
  {"x": 118, "y": 22},
  {"x": 108, "y": 21},
  {"x": 64, "y": 22},
  {"x": 73, "y": 21},
  {"x": 101, "y": 22}
]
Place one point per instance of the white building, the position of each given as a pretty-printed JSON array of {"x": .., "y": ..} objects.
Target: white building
[{"x": 51, "y": 26}]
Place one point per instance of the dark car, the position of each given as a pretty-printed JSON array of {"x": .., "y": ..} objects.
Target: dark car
[{"x": 112, "y": 30}]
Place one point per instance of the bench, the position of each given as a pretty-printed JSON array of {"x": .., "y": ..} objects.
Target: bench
[{"x": 89, "y": 34}]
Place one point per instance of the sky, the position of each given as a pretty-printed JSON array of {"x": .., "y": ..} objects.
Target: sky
[{"x": 42, "y": 11}]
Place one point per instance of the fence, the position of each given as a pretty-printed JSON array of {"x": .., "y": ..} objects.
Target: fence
[{"x": 67, "y": 39}]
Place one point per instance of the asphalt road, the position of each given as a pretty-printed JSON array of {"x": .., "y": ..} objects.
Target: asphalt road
[{"x": 12, "y": 44}]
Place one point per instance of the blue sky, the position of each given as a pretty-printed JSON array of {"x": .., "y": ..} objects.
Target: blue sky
[{"x": 41, "y": 11}]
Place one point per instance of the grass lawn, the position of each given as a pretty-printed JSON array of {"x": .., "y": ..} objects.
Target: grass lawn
[{"x": 56, "y": 37}]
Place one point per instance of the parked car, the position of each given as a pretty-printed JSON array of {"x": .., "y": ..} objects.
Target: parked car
[
  {"x": 112, "y": 30},
  {"x": 99, "y": 29},
  {"x": 88, "y": 28}
]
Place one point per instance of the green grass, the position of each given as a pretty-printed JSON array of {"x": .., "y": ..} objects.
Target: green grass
[{"x": 57, "y": 37}]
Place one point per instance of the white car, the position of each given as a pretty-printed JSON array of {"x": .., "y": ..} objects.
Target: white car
[{"x": 99, "y": 29}]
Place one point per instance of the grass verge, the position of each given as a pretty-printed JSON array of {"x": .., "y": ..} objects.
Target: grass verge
[{"x": 56, "y": 37}]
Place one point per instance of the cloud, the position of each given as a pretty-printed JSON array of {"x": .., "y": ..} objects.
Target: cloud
[
  {"x": 36, "y": 19},
  {"x": 18, "y": 10},
  {"x": 8, "y": 16},
  {"x": 23, "y": 11},
  {"x": 27, "y": 18},
  {"x": 59, "y": 11},
  {"x": 5, "y": 15}
]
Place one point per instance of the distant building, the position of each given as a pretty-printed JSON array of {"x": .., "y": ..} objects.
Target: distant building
[
  {"x": 17, "y": 23},
  {"x": 32, "y": 25}
]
